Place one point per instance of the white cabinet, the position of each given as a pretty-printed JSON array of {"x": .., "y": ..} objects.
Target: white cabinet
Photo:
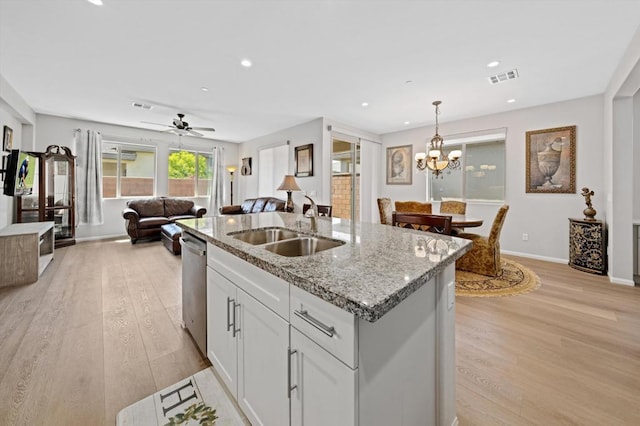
[
  {"x": 247, "y": 344},
  {"x": 323, "y": 388}
]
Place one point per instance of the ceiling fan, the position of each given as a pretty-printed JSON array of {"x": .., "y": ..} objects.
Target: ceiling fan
[{"x": 181, "y": 127}]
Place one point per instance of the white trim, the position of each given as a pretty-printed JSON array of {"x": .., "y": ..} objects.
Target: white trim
[
  {"x": 102, "y": 237},
  {"x": 488, "y": 135},
  {"x": 535, "y": 256},
  {"x": 621, "y": 281}
]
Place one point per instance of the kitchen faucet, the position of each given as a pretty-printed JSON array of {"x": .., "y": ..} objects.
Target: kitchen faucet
[{"x": 314, "y": 216}]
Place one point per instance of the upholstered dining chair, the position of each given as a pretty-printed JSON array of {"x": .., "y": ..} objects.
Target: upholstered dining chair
[
  {"x": 386, "y": 212},
  {"x": 484, "y": 256},
  {"x": 454, "y": 207},
  {"x": 413, "y": 207},
  {"x": 425, "y": 222},
  {"x": 323, "y": 210}
]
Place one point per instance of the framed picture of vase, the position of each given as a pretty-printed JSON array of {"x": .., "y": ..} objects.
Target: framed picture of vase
[
  {"x": 551, "y": 160},
  {"x": 304, "y": 160}
]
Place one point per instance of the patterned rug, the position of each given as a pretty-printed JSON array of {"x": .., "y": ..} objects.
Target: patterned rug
[{"x": 514, "y": 279}]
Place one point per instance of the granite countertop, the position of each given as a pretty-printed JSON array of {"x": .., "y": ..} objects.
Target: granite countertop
[{"x": 377, "y": 267}]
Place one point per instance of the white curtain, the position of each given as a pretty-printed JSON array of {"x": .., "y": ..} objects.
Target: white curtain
[
  {"x": 217, "y": 183},
  {"x": 89, "y": 180}
]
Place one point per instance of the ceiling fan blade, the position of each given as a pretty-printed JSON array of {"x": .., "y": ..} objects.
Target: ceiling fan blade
[
  {"x": 157, "y": 124},
  {"x": 205, "y": 129},
  {"x": 194, "y": 133}
]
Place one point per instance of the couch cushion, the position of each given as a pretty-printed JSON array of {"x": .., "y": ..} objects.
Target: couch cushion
[
  {"x": 181, "y": 216},
  {"x": 247, "y": 205},
  {"x": 274, "y": 205},
  {"x": 152, "y": 207},
  {"x": 152, "y": 222},
  {"x": 174, "y": 207},
  {"x": 259, "y": 204}
]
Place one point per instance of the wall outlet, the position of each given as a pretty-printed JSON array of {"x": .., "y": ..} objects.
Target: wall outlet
[{"x": 525, "y": 237}]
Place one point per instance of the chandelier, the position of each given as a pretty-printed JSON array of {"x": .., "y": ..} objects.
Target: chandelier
[{"x": 437, "y": 158}]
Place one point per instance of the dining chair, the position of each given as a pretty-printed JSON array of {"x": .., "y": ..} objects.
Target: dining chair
[
  {"x": 385, "y": 210},
  {"x": 323, "y": 210},
  {"x": 424, "y": 222},
  {"x": 413, "y": 207},
  {"x": 484, "y": 256},
  {"x": 454, "y": 207}
]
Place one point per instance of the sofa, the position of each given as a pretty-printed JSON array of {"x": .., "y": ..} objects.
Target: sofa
[
  {"x": 145, "y": 217},
  {"x": 255, "y": 205}
]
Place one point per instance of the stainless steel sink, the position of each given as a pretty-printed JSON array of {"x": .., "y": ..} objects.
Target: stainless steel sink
[
  {"x": 263, "y": 236},
  {"x": 302, "y": 246}
]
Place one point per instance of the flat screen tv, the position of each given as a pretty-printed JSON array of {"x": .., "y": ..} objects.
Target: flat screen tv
[{"x": 21, "y": 173}]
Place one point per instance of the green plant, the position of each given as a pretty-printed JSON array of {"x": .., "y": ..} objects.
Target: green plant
[{"x": 201, "y": 411}]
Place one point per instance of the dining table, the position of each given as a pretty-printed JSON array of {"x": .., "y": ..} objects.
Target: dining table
[{"x": 457, "y": 220}]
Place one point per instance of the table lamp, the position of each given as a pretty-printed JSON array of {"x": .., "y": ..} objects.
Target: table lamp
[
  {"x": 289, "y": 184},
  {"x": 231, "y": 169}
]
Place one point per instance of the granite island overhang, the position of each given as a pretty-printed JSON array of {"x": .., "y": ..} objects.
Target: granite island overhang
[{"x": 377, "y": 268}]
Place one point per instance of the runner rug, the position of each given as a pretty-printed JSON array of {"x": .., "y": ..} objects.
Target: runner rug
[{"x": 196, "y": 400}]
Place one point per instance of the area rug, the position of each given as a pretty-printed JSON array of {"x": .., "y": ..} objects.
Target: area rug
[
  {"x": 514, "y": 279},
  {"x": 196, "y": 400}
]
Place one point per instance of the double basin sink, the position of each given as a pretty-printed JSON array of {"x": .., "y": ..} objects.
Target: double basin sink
[{"x": 286, "y": 242}]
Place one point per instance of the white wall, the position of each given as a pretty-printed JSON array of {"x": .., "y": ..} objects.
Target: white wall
[
  {"x": 543, "y": 216},
  {"x": 52, "y": 130},
  {"x": 15, "y": 113},
  {"x": 303, "y": 134}
]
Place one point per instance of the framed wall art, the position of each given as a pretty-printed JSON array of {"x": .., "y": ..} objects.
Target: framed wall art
[
  {"x": 245, "y": 169},
  {"x": 304, "y": 160},
  {"x": 551, "y": 160},
  {"x": 7, "y": 138},
  {"x": 399, "y": 170}
]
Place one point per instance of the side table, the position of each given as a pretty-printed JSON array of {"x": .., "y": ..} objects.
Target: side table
[
  {"x": 588, "y": 245},
  {"x": 25, "y": 250}
]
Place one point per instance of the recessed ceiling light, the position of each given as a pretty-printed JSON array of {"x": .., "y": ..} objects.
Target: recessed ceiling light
[
  {"x": 407, "y": 122},
  {"x": 365, "y": 104},
  {"x": 493, "y": 64},
  {"x": 245, "y": 63},
  {"x": 96, "y": 2},
  {"x": 204, "y": 89},
  {"x": 510, "y": 101}
]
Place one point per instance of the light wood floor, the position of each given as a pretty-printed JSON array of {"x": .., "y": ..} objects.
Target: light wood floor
[{"x": 101, "y": 330}]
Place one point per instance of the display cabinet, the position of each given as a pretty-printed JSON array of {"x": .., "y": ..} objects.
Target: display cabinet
[
  {"x": 588, "y": 245},
  {"x": 52, "y": 195}
]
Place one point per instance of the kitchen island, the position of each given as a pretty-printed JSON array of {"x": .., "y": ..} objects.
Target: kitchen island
[{"x": 359, "y": 334}]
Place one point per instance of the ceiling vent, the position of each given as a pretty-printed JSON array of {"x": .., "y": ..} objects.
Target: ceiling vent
[
  {"x": 503, "y": 76},
  {"x": 140, "y": 105}
]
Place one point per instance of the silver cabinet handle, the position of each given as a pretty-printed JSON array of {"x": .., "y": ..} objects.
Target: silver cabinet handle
[
  {"x": 229, "y": 323},
  {"x": 289, "y": 387},
  {"x": 191, "y": 247},
  {"x": 329, "y": 331},
  {"x": 235, "y": 330}
]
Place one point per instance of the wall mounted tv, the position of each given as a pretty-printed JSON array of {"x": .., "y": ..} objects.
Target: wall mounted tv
[{"x": 20, "y": 173}]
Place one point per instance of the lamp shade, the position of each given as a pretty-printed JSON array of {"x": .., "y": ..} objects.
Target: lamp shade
[{"x": 289, "y": 184}]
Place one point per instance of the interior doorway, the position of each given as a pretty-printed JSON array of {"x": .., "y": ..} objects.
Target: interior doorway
[{"x": 345, "y": 179}]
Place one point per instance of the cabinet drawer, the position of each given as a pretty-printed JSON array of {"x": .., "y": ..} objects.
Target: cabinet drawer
[
  {"x": 332, "y": 328},
  {"x": 270, "y": 290}
]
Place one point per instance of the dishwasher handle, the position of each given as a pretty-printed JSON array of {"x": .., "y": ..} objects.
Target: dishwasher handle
[{"x": 194, "y": 249}]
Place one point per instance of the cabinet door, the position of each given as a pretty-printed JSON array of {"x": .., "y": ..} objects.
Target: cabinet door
[
  {"x": 221, "y": 344},
  {"x": 325, "y": 392},
  {"x": 263, "y": 342}
]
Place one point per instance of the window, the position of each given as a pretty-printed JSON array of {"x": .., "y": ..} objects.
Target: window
[
  {"x": 190, "y": 173},
  {"x": 128, "y": 170},
  {"x": 481, "y": 175}
]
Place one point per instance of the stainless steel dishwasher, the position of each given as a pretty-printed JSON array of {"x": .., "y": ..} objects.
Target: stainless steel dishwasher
[{"x": 194, "y": 288}]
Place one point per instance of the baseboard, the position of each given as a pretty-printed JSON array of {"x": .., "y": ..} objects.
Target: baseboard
[
  {"x": 535, "y": 256},
  {"x": 622, "y": 281},
  {"x": 102, "y": 237}
]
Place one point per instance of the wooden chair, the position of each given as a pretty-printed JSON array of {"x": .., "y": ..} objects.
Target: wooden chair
[
  {"x": 424, "y": 222},
  {"x": 455, "y": 207},
  {"x": 413, "y": 207},
  {"x": 484, "y": 256},
  {"x": 385, "y": 210},
  {"x": 322, "y": 210}
]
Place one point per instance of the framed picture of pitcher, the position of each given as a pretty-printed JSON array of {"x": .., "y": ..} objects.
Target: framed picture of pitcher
[{"x": 551, "y": 160}]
